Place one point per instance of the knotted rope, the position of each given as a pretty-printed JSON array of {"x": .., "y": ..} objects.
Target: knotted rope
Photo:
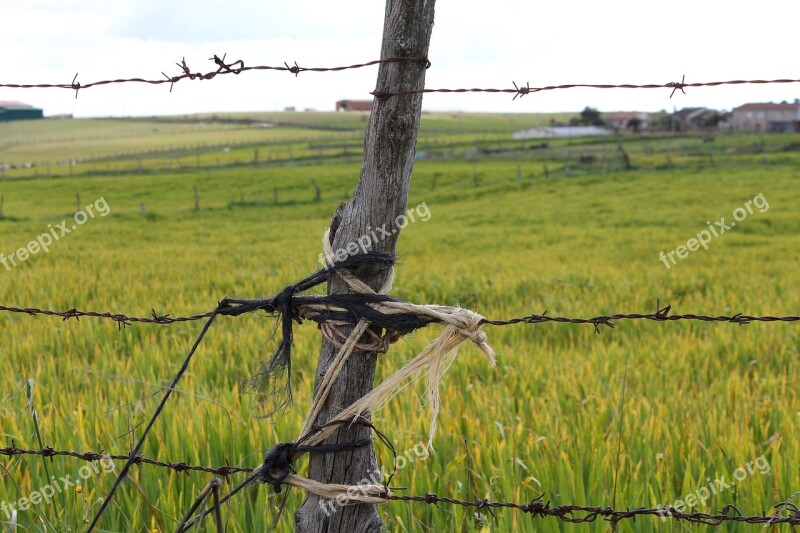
[{"x": 460, "y": 325}]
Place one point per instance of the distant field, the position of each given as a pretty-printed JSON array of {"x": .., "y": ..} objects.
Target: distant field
[
  {"x": 70, "y": 147},
  {"x": 514, "y": 229}
]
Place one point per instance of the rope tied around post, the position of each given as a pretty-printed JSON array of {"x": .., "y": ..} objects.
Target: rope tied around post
[
  {"x": 461, "y": 325},
  {"x": 377, "y": 320},
  {"x": 279, "y": 461}
]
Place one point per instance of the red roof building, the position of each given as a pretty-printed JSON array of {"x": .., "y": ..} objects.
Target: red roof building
[{"x": 354, "y": 105}]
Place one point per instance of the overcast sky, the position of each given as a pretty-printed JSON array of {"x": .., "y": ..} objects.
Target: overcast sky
[{"x": 474, "y": 44}]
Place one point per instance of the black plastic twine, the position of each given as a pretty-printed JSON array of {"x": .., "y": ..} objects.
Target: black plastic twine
[{"x": 278, "y": 463}]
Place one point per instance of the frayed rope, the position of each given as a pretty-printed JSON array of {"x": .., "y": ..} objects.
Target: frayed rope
[{"x": 362, "y": 310}]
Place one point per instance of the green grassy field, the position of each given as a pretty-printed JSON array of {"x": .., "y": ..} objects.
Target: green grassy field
[{"x": 503, "y": 239}]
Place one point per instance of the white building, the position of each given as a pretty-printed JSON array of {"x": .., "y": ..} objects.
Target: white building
[
  {"x": 560, "y": 131},
  {"x": 767, "y": 117}
]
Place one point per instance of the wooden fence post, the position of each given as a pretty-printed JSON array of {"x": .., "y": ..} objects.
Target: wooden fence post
[
  {"x": 317, "y": 191},
  {"x": 625, "y": 159},
  {"x": 380, "y": 198}
]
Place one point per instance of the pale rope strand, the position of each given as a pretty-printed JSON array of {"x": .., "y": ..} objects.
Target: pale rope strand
[
  {"x": 344, "y": 352},
  {"x": 353, "y": 493},
  {"x": 459, "y": 318},
  {"x": 331, "y": 375},
  {"x": 437, "y": 358},
  {"x": 462, "y": 325}
]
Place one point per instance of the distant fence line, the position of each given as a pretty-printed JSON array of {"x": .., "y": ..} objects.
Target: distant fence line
[{"x": 576, "y": 159}]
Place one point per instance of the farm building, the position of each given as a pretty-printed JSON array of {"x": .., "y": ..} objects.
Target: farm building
[
  {"x": 18, "y": 111},
  {"x": 560, "y": 131},
  {"x": 354, "y": 105},
  {"x": 767, "y": 117},
  {"x": 690, "y": 118},
  {"x": 624, "y": 119}
]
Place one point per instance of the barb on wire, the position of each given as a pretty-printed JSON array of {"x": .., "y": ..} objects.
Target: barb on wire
[
  {"x": 676, "y": 86},
  {"x": 521, "y": 90},
  {"x": 235, "y": 67}
]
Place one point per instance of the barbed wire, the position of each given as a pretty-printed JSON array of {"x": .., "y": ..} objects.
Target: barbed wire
[
  {"x": 225, "y": 470},
  {"x": 235, "y": 67},
  {"x": 537, "y": 507},
  {"x": 565, "y": 513},
  {"x": 660, "y": 315},
  {"x": 522, "y": 90},
  {"x": 121, "y": 319},
  {"x": 238, "y": 67}
]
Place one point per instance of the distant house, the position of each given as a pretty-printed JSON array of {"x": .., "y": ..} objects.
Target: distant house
[
  {"x": 621, "y": 119},
  {"x": 560, "y": 131},
  {"x": 767, "y": 117},
  {"x": 354, "y": 105},
  {"x": 18, "y": 111},
  {"x": 691, "y": 118}
]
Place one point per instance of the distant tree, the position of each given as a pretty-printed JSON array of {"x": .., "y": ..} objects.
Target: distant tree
[
  {"x": 711, "y": 120},
  {"x": 635, "y": 124},
  {"x": 591, "y": 117},
  {"x": 662, "y": 121}
]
